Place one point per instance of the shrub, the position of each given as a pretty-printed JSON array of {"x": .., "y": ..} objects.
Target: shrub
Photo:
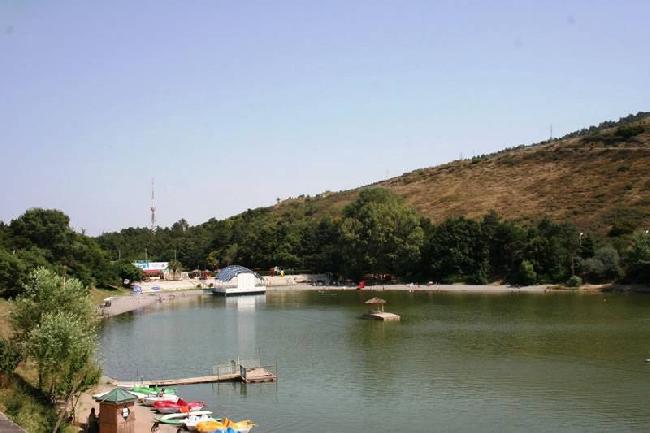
[
  {"x": 629, "y": 131},
  {"x": 604, "y": 266},
  {"x": 9, "y": 357},
  {"x": 527, "y": 274},
  {"x": 574, "y": 281}
]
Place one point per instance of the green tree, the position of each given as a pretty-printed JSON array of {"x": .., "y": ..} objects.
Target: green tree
[
  {"x": 604, "y": 266},
  {"x": 458, "y": 251},
  {"x": 46, "y": 293},
  {"x": 379, "y": 234},
  {"x": 45, "y": 228},
  {"x": 638, "y": 258},
  {"x": 127, "y": 271},
  {"x": 12, "y": 274},
  {"x": 9, "y": 357},
  {"x": 526, "y": 274},
  {"x": 63, "y": 347},
  {"x": 54, "y": 322}
]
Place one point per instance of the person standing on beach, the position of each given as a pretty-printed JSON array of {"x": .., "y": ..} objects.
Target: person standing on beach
[{"x": 92, "y": 425}]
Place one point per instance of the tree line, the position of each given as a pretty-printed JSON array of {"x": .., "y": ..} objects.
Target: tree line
[
  {"x": 377, "y": 235},
  {"x": 44, "y": 238}
]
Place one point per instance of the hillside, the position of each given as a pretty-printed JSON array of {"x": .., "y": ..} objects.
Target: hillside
[{"x": 597, "y": 178}]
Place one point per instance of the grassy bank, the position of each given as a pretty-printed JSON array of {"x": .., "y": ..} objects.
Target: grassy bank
[
  {"x": 25, "y": 405},
  {"x": 98, "y": 295}
]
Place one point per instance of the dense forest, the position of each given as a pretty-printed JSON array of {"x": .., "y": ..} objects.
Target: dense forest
[{"x": 377, "y": 236}]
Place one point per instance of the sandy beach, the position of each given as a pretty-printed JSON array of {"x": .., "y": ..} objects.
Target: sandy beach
[
  {"x": 460, "y": 288},
  {"x": 123, "y": 304}
]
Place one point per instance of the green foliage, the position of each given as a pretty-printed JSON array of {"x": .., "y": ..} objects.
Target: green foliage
[
  {"x": 574, "y": 281},
  {"x": 127, "y": 271},
  {"x": 629, "y": 131},
  {"x": 47, "y": 292},
  {"x": 12, "y": 273},
  {"x": 379, "y": 234},
  {"x": 604, "y": 266},
  {"x": 27, "y": 406},
  {"x": 9, "y": 357},
  {"x": 43, "y": 238},
  {"x": 638, "y": 259},
  {"x": 43, "y": 228},
  {"x": 55, "y": 327},
  {"x": 526, "y": 274},
  {"x": 456, "y": 251},
  {"x": 175, "y": 266}
]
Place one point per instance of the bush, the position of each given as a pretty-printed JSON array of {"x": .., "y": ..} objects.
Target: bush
[
  {"x": 629, "y": 131},
  {"x": 638, "y": 259},
  {"x": 574, "y": 281},
  {"x": 9, "y": 357},
  {"x": 128, "y": 271},
  {"x": 526, "y": 274},
  {"x": 603, "y": 267}
]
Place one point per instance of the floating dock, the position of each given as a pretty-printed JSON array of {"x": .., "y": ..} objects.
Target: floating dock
[
  {"x": 381, "y": 315},
  {"x": 251, "y": 375}
]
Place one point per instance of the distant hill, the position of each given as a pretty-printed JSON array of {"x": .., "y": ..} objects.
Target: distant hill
[{"x": 598, "y": 178}]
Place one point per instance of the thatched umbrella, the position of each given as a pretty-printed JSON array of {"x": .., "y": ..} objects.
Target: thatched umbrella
[{"x": 376, "y": 301}]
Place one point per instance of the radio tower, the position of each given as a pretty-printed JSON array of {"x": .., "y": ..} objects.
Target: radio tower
[{"x": 153, "y": 209}]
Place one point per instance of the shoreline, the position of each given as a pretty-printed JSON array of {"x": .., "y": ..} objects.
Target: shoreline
[
  {"x": 446, "y": 288},
  {"x": 124, "y": 303}
]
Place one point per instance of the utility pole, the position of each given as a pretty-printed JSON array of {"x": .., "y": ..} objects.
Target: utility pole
[
  {"x": 153, "y": 208},
  {"x": 551, "y": 132}
]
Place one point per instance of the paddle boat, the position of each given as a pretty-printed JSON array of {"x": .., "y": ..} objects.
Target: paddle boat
[
  {"x": 143, "y": 391},
  {"x": 167, "y": 407},
  {"x": 152, "y": 399},
  {"x": 194, "y": 418},
  {"x": 180, "y": 418},
  {"x": 225, "y": 426}
]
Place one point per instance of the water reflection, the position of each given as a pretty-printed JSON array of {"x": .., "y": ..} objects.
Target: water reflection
[{"x": 245, "y": 303}]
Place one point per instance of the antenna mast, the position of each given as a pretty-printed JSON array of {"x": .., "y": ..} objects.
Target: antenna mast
[{"x": 153, "y": 208}]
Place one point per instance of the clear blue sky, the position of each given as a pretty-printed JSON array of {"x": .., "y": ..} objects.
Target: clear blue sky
[{"x": 230, "y": 104}]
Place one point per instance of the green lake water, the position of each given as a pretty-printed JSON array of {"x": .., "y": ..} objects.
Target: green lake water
[{"x": 455, "y": 363}]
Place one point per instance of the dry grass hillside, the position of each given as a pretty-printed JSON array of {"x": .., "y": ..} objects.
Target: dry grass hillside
[{"x": 598, "y": 179}]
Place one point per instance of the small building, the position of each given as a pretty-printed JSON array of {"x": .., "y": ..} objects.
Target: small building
[
  {"x": 116, "y": 413},
  {"x": 152, "y": 269}
]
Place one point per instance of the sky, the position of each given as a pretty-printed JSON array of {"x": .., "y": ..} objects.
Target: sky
[{"x": 232, "y": 104}]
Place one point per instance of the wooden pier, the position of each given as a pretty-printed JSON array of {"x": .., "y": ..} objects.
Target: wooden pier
[
  {"x": 252, "y": 375},
  {"x": 245, "y": 371}
]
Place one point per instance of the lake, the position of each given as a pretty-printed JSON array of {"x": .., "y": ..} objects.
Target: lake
[{"x": 563, "y": 362}]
